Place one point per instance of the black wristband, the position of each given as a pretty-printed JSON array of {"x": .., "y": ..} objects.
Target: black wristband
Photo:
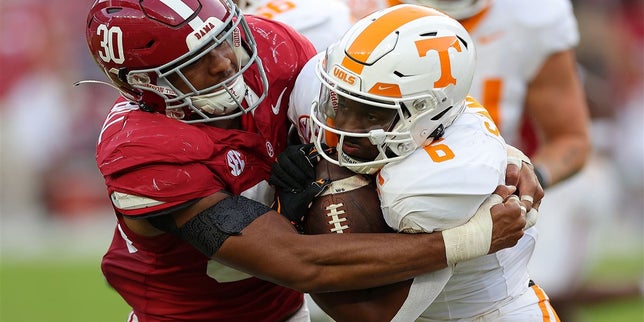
[{"x": 542, "y": 177}]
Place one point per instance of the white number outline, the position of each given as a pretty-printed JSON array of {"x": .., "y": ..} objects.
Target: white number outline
[{"x": 111, "y": 51}]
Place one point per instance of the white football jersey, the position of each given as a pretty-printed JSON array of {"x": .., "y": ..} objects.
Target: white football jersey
[{"x": 322, "y": 22}]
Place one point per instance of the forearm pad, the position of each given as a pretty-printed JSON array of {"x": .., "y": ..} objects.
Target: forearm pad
[{"x": 208, "y": 230}]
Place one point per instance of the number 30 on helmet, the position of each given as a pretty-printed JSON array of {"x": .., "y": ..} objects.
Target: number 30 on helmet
[
  {"x": 140, "y": 44},
  {"x": 413, "y": 59}
]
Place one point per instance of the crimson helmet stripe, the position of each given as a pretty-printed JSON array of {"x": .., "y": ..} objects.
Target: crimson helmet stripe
[{"x": 184, "y": 11}]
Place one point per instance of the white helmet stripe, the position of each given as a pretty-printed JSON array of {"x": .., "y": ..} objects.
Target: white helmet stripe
[{"x": 184, "y": 11}]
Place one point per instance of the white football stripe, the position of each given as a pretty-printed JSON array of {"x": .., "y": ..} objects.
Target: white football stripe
[{"x": 184, "y": 11}]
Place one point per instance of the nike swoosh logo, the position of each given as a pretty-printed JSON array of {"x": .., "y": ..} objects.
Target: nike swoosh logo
[{"x": 276, "y": 108}]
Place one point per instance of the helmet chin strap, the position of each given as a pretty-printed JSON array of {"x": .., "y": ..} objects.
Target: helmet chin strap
[{"x": 353, "y": 164}]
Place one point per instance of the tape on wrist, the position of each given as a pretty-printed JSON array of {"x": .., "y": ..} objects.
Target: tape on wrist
[
  {"x": 515, "y": 156},
  {"x": 472, "y": 239}
]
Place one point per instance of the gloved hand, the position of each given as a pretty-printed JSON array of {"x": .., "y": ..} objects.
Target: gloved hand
[{"x": 293, "y": 176}]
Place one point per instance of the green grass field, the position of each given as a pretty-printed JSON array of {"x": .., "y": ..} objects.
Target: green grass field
[
  {"x": 45, "y": 291},
  {"x": 56, "y": 292}
]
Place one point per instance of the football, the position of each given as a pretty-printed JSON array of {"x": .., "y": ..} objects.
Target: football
[{"x": 349, "y": 205}]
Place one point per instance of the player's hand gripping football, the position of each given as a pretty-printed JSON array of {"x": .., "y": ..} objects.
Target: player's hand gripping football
[{"x": 293, "y": 176}]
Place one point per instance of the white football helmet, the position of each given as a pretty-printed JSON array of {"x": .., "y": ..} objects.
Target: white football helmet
[
  {"x": 411, "y": 59},
  {"x": 458, "y": 9}
]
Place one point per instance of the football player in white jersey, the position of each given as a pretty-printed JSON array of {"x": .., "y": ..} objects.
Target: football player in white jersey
[
  {"x": 394, "y": 101},
  {"x": 322, "y": 22},
  {"x": 527, "y": 78}
]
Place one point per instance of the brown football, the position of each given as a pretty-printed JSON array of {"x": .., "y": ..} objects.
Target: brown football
[
  {"x": 352, "y": 206},
  {"x": 347, "y": 206}
]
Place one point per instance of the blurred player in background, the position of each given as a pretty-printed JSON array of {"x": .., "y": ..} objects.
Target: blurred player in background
[
  {"x": 322, "y": 22},
  {"x": 394, "y": 101},
  {"x": 527, "y": 78}
]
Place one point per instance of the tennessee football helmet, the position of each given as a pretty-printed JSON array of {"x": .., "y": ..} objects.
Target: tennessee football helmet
[
  {"x": 411, "y": 59},
  {"x": 141, "y": 44},
  {"x": 457, "y": 9}
]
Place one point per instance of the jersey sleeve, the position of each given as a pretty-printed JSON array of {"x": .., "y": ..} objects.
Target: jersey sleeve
[
  {"x": 446, "y": 199},
  {"x": 426, "y": 193},
  {"x": 551, "y": 26},
  {"x": 151, "y": 162},
  {"x": 160, "y": 186}
]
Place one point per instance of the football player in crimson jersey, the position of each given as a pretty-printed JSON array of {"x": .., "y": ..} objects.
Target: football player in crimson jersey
[
  {"x": 394, "y": 101},
  {"x": 527, "y": 78},
  {"x": 186, "y": 155}
]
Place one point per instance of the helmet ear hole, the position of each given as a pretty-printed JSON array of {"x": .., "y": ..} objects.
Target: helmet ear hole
[{"x": 438, "y": 132}]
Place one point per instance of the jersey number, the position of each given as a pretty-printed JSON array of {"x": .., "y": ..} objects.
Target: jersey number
[
  {"x": 439, "y": 152},
  {"x": 112, "y": 44}
]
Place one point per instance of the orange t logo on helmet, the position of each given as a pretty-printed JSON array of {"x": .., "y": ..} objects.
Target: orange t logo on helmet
[{"x": 441, "y": 45}]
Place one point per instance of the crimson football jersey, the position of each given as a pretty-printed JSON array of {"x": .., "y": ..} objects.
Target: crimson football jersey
[{"x": 151, "y": 162}]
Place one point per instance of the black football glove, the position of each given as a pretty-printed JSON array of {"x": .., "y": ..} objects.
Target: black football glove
[
  {"x": 294, "y": 205},
  {"x": 293, "y": 176}
]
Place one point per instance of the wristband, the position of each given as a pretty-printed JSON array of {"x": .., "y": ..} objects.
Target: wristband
[{"x": 542, "y": 176}]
